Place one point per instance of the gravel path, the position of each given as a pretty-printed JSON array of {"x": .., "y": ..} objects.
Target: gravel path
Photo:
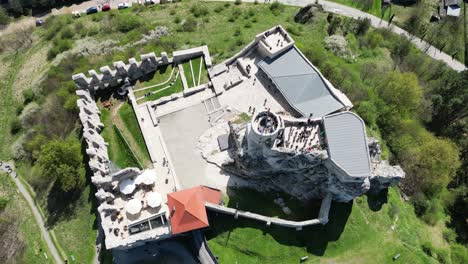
[{"x": 9, "y": 168}]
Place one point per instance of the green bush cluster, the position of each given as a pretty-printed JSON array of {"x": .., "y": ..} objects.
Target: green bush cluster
[
  {"x": 277, "y": 8},
  {"x": 60, "y": 45},
  {"x": 189, "y": 25},
  {"x": 127, "y": 22},
  {"x": 199, "y": 10}
]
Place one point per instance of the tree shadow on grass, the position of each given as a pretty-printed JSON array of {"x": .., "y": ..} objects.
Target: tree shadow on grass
[
  {"x": 61, "y": 205},
  {"x": 314, "y": 238}
]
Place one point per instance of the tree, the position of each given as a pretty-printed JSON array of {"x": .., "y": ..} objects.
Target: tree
[
  {"x": 363, "y": 25},
  {"x": 16, "y": 6},
  {"x": 401, "y": 92},
  {"x": 4, "y": 18},
  {"x": 449, "y": 100},
  {"x": 62, "y": 161}
]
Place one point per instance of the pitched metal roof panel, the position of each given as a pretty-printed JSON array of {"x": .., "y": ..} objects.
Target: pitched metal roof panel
[
  {"x": 300, "y": 84},
  {"x": 347, "y": 143}
]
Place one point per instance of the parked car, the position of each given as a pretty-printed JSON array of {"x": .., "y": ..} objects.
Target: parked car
[
  {"x": 39, "y": 22},
  {"x": 122, "y": 5},
  {"x": 149, "y": 2},
  {"x": 91, "y": 10},
  {"x": 106, "y": 7}
]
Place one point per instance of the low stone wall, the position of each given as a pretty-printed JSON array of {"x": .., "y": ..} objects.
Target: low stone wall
[
  {"x": 322, "y": 218},
  {"x": 187, "y": 54}
]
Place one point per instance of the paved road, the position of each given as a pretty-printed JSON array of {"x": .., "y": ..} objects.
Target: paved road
[
  {"x": 9, "y": 168},
  {"x": 378, "y": 23}
]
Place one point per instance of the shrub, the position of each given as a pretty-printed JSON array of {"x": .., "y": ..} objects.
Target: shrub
[
  {"x": 189, "y": 25},
  {"x": 19, "y": 109},
  {"x": 363, "y": 25},
  {"x": 3, "y": 203},
  {"x": 427, "y": 248},
  {"x": 28, "y": 117},
  {"x": 277, "y": 8},
  {"x": 94, "y": 30},
  {"x": 218, "y": 9},
  {"x": 60, "y": 45},
  {"x": 449, "y": 235},
  {"x": 237, "y": 32},
  {"x": 173, "y": 12},
  {"x": 238, "y": 2},
  {"x": 15, "y": 125},
  {"x": 294, "y": 30},
  {"x": 67, "y": 33},
  {"x": 248, "y": 25},
  {"x": 227, "y": 4},
  {"x": 459, "y": 253},
  {"x": 177, "y": 19},
  {"x": 28, "y": 96},
  {"x": 125, "y": 23},
  {"x": 198, "y": 10}
]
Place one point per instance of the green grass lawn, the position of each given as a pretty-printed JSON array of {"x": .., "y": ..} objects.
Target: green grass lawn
[
  {"x": 160, "y": 76},
  {"x": 119, "y": 153},
  {"x": 355, "y": 234},
  {"x": 242, "y": 198},
  {"x": 132, "y": 132},
  {"x": 76, "y": 233},
  {"x": 177, "y": 87},
  {"x": 17, "y": 210},
  {"x": 194, "y": 75},
  {"x": 200, "y": 73},
  {"x": 188, "y": 73}
]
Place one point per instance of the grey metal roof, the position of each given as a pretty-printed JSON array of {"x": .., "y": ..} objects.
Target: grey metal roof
[
  {"x": 347, "y": 143},
  {"x": 300, "y": 84}
]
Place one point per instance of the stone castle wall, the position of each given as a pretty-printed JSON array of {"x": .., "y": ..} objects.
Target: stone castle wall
[{"x": 134, "y": 69}]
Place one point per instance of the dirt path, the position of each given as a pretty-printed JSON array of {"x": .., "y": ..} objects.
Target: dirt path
[{"x": 9, "y": 168}]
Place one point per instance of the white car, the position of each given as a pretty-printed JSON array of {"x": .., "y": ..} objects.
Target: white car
[
  {"x": 122, "y": 5},
  {"x": 76, "y": 14}
]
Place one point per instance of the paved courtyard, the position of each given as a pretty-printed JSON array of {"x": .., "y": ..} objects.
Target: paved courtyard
[{"x": 181, "y": 131}]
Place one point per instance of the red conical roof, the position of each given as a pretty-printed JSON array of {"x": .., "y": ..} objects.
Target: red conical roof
[{"x": 187, "y": 208}]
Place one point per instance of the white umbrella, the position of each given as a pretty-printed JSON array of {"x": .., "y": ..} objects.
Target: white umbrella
[
  {"x": 148, "y": 177},
  {"x": 133, "y": 206},
  {"x": 154, "y": 199},
  {"x": 127, "y": 186}
]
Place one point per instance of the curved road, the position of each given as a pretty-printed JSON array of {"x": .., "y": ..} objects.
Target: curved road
[
  {"x": 9, "y": 169},
  {"x": 378, "y": 23}
]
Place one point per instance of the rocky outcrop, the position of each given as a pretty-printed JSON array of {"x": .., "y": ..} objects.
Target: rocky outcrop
[{"x": 302, "y": 175}]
